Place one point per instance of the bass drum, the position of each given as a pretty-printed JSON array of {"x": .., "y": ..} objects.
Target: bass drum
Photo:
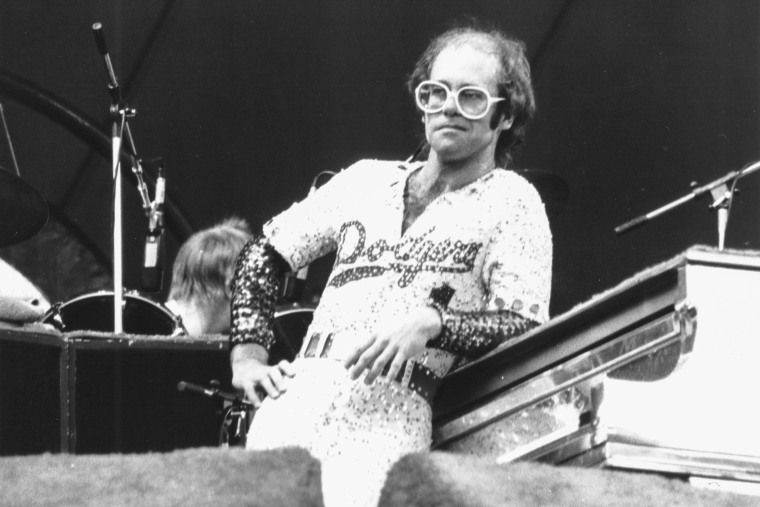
[
  {"x": 94, "y": 312},
  {"x": 291, "y": 322}
]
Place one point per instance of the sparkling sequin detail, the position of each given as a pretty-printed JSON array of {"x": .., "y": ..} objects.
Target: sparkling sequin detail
[
  {"x": 357, "y": 431},
  {"x": 487, "y": 241},
  {"x": 472, "y": 334},
  {"x": 413, "y": 254},
  {"x": 254, "y": 293}
]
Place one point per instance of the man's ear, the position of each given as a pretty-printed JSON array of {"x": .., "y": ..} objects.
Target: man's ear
[{"x": 501, "y": 121}]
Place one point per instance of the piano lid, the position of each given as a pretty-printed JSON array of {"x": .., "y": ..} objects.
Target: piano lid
[{"x": 637, "y": 301}]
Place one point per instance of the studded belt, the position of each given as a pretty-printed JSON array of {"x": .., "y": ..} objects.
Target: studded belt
[{"x": 415, "y": 376}]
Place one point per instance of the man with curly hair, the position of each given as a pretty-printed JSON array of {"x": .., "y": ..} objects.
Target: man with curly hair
[{"x": 436, "y": 260}]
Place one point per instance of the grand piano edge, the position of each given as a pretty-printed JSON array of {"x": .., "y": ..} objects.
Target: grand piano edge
[{"x": 639, "y": 301}]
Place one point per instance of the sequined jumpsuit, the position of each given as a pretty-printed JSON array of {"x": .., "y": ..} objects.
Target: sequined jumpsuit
[{"x": 486, "y": 246}]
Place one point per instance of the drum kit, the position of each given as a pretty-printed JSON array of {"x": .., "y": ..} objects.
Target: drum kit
[{"x": 25, "y": 213}]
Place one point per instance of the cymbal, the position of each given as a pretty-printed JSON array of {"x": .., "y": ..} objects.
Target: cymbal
[
  {"x": 552, "y": 188},
  {"x": 23, "y": 210}
]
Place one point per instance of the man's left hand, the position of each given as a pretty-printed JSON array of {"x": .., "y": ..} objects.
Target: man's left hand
[{"x": 394, "y": 344}]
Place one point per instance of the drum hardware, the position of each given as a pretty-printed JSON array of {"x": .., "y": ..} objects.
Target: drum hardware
[
  {"x": 22, "y": 207},
  {"x": 722, "y": 196},
  {"x": 78, "y": 124},
  {"x": 90, "y": 312},
  {"x": 291, "y": 323},
  {"x": 214, "y": 392},
  {"x": 119, "y": 112},
  {"x": 153, "y": 255},
  {"x": 235, "y": 423},
  {"x": 237, "y": 413}
]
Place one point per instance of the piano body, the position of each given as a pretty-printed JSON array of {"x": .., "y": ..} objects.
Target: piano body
[{"x": 656, "y": 374}]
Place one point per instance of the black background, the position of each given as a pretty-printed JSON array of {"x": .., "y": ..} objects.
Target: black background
[{"x": 247, "y": 101}]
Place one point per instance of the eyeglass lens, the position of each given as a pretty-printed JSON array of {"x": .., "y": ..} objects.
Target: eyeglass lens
[{"x": 471, "y": 101}]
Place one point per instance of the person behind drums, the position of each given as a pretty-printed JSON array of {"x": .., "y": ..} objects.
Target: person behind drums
[
  {"x": 436, "y": 260},
  {"x": 200, "y": 290}
]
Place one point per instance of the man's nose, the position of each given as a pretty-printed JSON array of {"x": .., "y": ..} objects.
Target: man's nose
[{"x": 450, "y": 106}]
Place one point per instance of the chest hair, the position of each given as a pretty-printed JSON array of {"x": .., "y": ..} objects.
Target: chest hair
[{"x": 417, "y": 198}]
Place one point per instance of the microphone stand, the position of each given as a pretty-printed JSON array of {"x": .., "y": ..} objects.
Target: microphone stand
[
  {"x": 718, "y": 189},
  {"x": 119, "y": 113}
]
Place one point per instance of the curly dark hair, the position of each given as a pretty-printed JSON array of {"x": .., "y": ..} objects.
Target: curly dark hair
[{"x": 513, "y": 79}]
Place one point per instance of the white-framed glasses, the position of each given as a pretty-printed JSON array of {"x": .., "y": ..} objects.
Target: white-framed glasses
[{"x": 472, "y": 102}]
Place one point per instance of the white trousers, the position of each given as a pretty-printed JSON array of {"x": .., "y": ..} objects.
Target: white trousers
[{"x": 356, "y": 431}]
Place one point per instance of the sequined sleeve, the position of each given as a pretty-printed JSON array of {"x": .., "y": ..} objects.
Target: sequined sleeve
[
  {"x": 254, "y": 293},
  {"x": 517, "y": 274},
  {"x": 472, "y": 334}
]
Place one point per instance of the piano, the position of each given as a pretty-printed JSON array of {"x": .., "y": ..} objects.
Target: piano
[{"x": 655, "y": 374}]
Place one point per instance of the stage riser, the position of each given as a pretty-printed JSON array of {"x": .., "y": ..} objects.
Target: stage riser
[
  {"x": 92, "y": 393},
  {"x": 30, "y": 402}
]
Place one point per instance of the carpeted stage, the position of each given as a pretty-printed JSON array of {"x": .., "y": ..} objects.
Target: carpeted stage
[{"x": 290, "y": 477}]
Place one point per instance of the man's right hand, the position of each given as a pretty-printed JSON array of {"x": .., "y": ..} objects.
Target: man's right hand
[{"x": 250, "y": 373}]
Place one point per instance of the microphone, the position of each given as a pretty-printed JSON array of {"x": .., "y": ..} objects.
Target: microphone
[
  {"x": 160, "y": 196},
  {"x": 153, "y": 255},
  {"x": 214, "y": 393},
  {"x": 632, "y": 224},
  {"x": 100, "y": 41},
  {"x": 113, "y": 85}
]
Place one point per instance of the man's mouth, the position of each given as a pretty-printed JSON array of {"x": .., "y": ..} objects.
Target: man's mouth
[{"x": 450, "y": 127}]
